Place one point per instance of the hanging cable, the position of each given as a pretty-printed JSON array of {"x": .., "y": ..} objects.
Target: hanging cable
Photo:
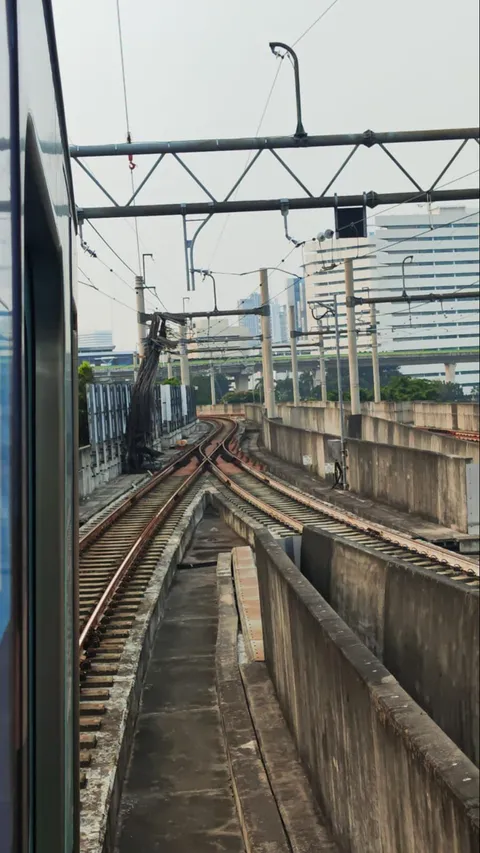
[{"x": 317, "y": 21}]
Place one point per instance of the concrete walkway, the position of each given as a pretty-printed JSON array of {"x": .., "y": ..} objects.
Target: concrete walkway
[{"x": 178, "y": 798}]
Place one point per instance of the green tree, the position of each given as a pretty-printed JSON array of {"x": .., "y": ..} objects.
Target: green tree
[
  {"x": 85, "y": 377},
  {"x": 174, "y": 380},
  {"x": 201, "y": 381},
  {"x": 284, "y": 390}
]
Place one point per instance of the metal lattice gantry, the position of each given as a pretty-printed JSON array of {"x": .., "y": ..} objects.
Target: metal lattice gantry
[{"x": 311, "y": 198}]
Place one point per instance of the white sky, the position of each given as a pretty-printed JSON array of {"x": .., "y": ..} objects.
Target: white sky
[{"x": 204, "y": 69}]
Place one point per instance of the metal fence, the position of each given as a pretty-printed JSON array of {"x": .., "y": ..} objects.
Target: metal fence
[{"x": 108, "y": 406}]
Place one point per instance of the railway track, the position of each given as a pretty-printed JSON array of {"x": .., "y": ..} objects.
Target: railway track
[
  {"x": 118, "y": 555},
  {"x": 291, "y": 510},
  {"x": 120, "y": 550}
]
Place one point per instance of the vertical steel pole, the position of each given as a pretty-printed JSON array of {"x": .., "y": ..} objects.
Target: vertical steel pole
[
  {"x": 185, "y": 248},
  {"x": 267, "y": 360},
  {"x": 352, "y": 338},
  {"x": 340, "y": 396},
  {"x": 140, "y": 302},
  {"x": 321, "y": 362},
  {"x": 294, "y": 354},
  {"x": 377, "y": 392}
]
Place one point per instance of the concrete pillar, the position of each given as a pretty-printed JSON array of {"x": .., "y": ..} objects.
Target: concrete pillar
[
  {"x": 184, "y": 368},
  {"x": 213, "y": 394},
  {"x": 294, "y": 355},
  {"x": 267, "y": 360},
  {"x": 321, "y": 362},
  {"x": 377, "y": 392},
  {"x": 241, "y": 382},
  {"x": 169, "y": 367},
  {"x": 352, "y": 339},
  {"x": 450, "y": 370},
  {"x": 142, "y": 330}
]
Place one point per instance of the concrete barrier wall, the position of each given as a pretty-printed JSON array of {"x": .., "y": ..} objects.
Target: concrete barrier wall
[
  {"x": 384, "y": 774},
  {"x": 437, "y": 487},
  {"x": 401, "y": 435},
  {"x": 417, "y": 622},
  {"x": 457, "y": 416},
  {"x": 254, "y": 412},
  {"x": 313, "y": 451},
  {"x": 94, "y": 471},
  {"x": 417, "y": 481},
  {"x": 222, "y": 409},
  {"x": 325, "y": 419}
]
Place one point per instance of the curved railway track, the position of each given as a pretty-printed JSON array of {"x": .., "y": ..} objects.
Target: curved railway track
[
  {"x": 119, "y": 552},
  {"x": 118, "y": 555},
  {"x": 292, "y": 509}
]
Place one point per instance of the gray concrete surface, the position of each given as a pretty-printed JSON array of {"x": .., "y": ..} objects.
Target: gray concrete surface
[
  {"x": 423, "y": 626},
  {"x": 429, "y": 484},
  {"x": 304, "y": 824},
  {"x": 401, "y": 435},
  {"x": 177, "y": 797},
  {"x": 384, "y": 774},
  {"x": 363, "y": 507}
]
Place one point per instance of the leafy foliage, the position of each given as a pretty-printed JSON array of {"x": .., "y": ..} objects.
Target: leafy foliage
[{"x": 201, "y": 381}]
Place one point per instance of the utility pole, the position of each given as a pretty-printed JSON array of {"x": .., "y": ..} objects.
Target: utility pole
[
  {"x": 343, "y": 446},
  {"x": 169, "y": 367},
  {"x": 184, "y": 368},
  {"x": 267, "y": 360},
  {"x": 321, "y": 361},
  {"x": 352, "y": 338},
  {"x": 294, "y": 355},
  {"x": 377, "y": 392},
  {"x": 212, "y": 385},
  {"x": 140, "y": 302}
]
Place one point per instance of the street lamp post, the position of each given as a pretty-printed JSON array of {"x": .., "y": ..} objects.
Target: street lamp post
[
  {"x": 274, "y": 45},
  {"x": 408, "y": 258},
  {"x": 205, "y": 274}
]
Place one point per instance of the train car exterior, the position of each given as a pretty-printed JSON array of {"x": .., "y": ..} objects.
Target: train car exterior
[{"x": 38, "y": 526}]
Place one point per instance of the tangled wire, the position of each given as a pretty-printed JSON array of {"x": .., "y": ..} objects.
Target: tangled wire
[{"x": 138, "y": 438}]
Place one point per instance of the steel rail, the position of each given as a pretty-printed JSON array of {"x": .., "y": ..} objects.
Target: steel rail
[
  {"x": 93, "y": 534},
  {"x": 139, "y": 545},
  {"x": 433, "y": 552}
]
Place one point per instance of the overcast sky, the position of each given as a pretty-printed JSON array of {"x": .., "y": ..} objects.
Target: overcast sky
[{"x": 203, "y": 68}]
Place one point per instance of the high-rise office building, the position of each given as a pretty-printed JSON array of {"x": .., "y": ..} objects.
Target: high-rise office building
[
  {"x": 434, "y": 251},
  {"x": 296, "y": 295},
  {"x": 250, "y": 321},
  {"x": 101, "y": 340}
]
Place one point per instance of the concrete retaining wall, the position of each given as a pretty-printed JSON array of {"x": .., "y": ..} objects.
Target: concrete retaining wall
[
  {"x": 401, "y": 435},
  {"x": 313, "y": 451},
  {"x": 458, "y": 416},
  {"x": 222, "y": 409},
  {"x": 384, "y": 774},
  {"x": 253, "y": 412},
  {"x": 93, "y": 472},
  {"x": 417, "y": 481},
  {"x": 437, "y": 487},
  {"x": 417, "y": 622}
]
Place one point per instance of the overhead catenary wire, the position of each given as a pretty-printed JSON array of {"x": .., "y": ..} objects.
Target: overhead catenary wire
[
  {"x": 127, "y": 121},
  {"x": 315, "y": 22}
]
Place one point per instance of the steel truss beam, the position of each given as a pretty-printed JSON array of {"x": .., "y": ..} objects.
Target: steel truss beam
[
  {"x": 370, "y": 199},
  {"x": 198, "y": 146}
]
